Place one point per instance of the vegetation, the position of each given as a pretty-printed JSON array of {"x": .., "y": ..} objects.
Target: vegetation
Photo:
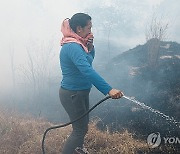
[{"x": 23, "y": 135}]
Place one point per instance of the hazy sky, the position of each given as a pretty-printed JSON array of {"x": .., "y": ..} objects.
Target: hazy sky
[{"x": 23, "y": 21}]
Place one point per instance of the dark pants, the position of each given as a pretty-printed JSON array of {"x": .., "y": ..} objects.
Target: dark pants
[{"x": 75, "y": 103}]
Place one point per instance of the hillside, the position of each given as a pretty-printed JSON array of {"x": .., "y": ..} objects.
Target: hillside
[
  {"x": 160, "y": 83},
  {"x": 157, "y": 87}
]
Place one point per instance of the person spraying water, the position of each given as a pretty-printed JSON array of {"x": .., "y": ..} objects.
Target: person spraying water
[{"x": 76, "y": 57}]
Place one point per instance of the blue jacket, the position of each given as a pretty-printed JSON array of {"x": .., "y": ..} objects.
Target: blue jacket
[{"x": 77, "y": 70}]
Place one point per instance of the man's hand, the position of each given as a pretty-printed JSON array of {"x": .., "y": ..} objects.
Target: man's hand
[{"x": 115, "y": 94}]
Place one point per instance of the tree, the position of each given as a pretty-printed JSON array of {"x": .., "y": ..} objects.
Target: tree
[
  {"x": 11, "y": 54},
  {"x": 156, "y": 31},
  {"x": 37, "y": 74},
  {"x": 13, "y": 71}
]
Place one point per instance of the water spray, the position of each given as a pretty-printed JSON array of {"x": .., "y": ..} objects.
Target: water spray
[
  {"x": 168, "y": 118},
  {"x": 171, "y": 119}
]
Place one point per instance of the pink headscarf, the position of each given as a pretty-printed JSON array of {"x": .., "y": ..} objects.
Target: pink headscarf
[{"x": 70, "y": 36}]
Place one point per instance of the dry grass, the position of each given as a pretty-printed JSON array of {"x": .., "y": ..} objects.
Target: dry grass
[
  {"x": 23, "y": 135},
  {"x": 112, "y": 143}
]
